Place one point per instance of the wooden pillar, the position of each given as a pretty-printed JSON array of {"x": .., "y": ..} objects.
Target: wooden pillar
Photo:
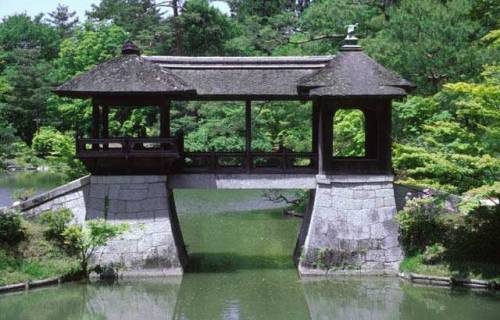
[
  {"x": 105, "y": 121},
  {"x": 315, "y": 126},
  {"x": 320, "y": 145},
  {"x": 95, "y": 124},
  {"x": 248, "y": 134},
  {"x": 371, "y": 133},
  {"x": 165, "y": 119},
  {"x": 95, "y": 120},
  {"x": 105, "y": 124}
]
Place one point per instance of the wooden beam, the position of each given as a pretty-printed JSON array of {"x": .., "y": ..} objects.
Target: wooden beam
[
  {"x": 248, "y": 134},
  {"x": 165, "y": 119}
]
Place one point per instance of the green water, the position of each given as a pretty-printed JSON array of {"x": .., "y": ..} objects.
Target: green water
[
  {"x": 37, "y": 181},
  {"x": 241, "y": 268}
]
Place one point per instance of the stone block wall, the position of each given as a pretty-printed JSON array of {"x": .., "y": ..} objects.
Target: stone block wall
[
  {"x": 352, "y": 227},
  {"x": 71, "y": 196},
  {"x": 153, "y": 245}
]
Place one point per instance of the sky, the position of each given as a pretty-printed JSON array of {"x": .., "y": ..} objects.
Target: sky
[{"x": 34, "y": 7}]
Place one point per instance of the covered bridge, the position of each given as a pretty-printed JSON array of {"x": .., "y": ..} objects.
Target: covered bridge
[{"x": 349, "y": 223}]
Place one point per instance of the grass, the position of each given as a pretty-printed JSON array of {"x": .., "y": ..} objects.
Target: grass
[
  {"x": 461, "y": 269},
  {"x": 34, "y": 258}
]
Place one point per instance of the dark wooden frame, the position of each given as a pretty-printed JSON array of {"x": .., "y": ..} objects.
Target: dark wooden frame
[
  {"x": 105, "y": 157},
  {"x": 377, "y": 158}
]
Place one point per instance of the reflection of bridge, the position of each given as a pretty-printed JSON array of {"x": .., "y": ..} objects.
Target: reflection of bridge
[{"x": 350, "y": 219}]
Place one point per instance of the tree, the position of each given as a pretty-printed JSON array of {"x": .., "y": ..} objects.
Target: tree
[
  {"x": 87, "y": 238},
  {"x": 20, "y": 31},
  {"x": 455, "y": 147},
  {"x": 90, "y": 45},
  {"x": 430, "y": 42},
  {"x": 25, "y": 104},
  {"x": 140, "y": 18},
  {"x": 204, "y": 29},
  {"x": 63, "y": 20}
]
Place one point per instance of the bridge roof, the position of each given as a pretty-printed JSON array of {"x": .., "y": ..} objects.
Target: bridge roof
[{"x": 351, "y": 73}]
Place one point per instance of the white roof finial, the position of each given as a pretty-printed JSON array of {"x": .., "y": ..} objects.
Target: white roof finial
[{"x": 350, "y": 31}]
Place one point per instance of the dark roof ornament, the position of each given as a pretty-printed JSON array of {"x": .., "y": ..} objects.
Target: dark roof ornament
[
  {"x": 351, "y": 41},
  {"x": 130, "y": 48}
]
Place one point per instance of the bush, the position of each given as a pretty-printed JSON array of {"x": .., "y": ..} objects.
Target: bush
[
  {"x": 434, "y": 253},
  {"x": 59, "y": 150},
  {"x": 11, "y": 229},
  {"x": 420, "y": 223},
  {"x": 56, "y": 222},
  {"x": 23, "y": 194},
  {"x": 86, "y": 239}
]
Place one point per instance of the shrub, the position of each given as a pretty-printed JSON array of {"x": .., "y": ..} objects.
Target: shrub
[
  {"x": 23, "y": 194},
  {"x": 56, "y": 222},
  {"x": 11, "y": 229},
  {"x": 87, "y": 238},
  {"x": 434, "y": 253},
  {"x": 420, "y": 223}
]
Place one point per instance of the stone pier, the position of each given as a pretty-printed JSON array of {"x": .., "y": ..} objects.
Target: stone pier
[
  {"x": 153, "y": 245},
  {"x": 352, "y": 227}
]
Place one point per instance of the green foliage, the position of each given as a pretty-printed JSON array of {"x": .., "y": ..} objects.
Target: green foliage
[
  {"x": 204, "y": 29},
  {"x": 450, "y": 140},
  {"x": 7, "y": 137},
  {"x": 92, "y": 44},
  {"x": 349, "y": 133},
  {"x": 58, "y": 149},
  {"x": 34, "y": 258},
  {"x": 56, "y": 222},
  {"x": 420, "y": 223},
  {"x": 23, "y": 194},
  {"x": 11, "y": 228},
  {"x": 416, "y": 42},
  {"x": 87, "y": 238},
  {"x": 21, "y": 31},
  {"x": 24, "y": 104},
  {"x": 433, "y": 253}
]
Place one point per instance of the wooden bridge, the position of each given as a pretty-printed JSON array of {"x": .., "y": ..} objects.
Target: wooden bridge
[{"x": 350, "y": 218}]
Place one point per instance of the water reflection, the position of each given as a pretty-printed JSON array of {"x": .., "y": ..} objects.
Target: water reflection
[
  {"x": 353, "y": 298},
  {"x": 267, "y": 294}
]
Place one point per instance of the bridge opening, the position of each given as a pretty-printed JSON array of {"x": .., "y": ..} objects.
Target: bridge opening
[
  {"x": 349, "y": 133},
  {"x": 236, "y": 230}
]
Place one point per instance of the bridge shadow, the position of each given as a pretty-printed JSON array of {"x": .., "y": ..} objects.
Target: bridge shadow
[{"x": 231, "y": 262}]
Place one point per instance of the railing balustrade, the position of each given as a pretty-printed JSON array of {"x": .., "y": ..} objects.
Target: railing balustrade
[{"x": 282, "y": 161}]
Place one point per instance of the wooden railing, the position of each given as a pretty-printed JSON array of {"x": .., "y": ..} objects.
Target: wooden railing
[
  {"x": 253, "y": 162},
  {"x": 282, "y": 161},
  {"x": 129, "y": 147}
]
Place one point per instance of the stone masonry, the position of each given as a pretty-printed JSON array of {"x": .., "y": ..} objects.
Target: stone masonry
[
  {"x": 153, "y": 245},
  {"x": 352, "y": 227}
]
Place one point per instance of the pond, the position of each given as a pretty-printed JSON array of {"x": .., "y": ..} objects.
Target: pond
[
  {"x": 241, "y": 268},
  {"x": 38, "y": 182}
]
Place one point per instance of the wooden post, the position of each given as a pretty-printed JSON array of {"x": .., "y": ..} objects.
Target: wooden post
[
  {"x": 105, "y": 124},
  {"x": 248, "y": 134},
  {"x": 371, "y": 133},
  {"x": 95, "y": 120},
  {"x": 165, "y": 119},
  {"x": 320, "y": 146},
  {"x": 315, "y": 125},
  {"x": 95, "y": 124}
]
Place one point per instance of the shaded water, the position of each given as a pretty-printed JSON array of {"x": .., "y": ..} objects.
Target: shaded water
[
  {"x": 241, "y": 268},
  {"x": 37, "y": 181}
]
